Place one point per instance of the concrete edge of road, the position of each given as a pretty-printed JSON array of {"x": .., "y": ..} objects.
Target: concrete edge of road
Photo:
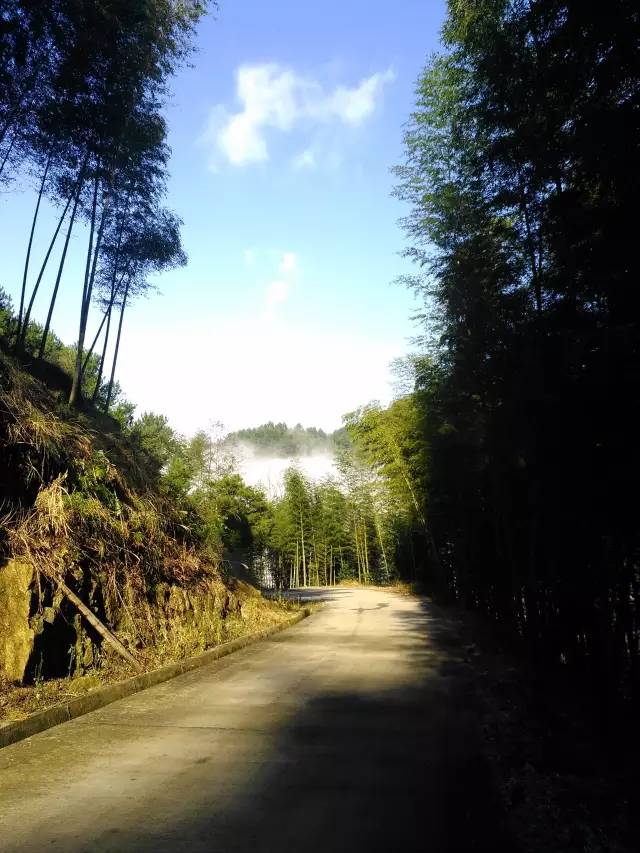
[{"x": 64, "y": 711}]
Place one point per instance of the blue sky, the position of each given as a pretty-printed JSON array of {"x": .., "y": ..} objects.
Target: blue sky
[{"x": 283, "y": 131}]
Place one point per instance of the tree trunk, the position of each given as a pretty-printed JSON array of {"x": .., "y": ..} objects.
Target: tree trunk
[
  {"x": 384, "y": 554},
  {"x": 315, "y": 559},
  {"x": 114, "y": 291},
  {"x": 366, "y": 554},
  {"x": 8, "y": 153},
  {"x": 529, "y": 242},
  {"x": 89, "y": 352},
  {"x": 117, "y": 349},
  {"x": 93, "y": 620},
  {"x": 54, "y": 295},
  {"x": 77, "y": 373},
  {"x": 27, "y": 316},
  {"x": 96, "y": 390},
  {"x": 43, "y": 342},
  {"x": 106, "y": 316},
  {"x": 23, "y": 290},
  {"x": 304, "y": 558}
]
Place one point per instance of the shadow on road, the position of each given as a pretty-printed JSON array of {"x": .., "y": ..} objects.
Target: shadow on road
[
  {"x": 357, "y": 733},
  {"x": 354, "y": 775},
  {"x": 364, "y": 771}
]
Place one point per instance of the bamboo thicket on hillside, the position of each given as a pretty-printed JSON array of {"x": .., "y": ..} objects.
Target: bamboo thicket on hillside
[{"x": 82, "y": 88}]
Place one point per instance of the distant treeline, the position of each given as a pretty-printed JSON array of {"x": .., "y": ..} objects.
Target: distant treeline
[{"x": 282, "y": 441}]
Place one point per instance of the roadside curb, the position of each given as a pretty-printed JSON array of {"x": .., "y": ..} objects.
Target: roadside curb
[{"x": 101, "y": 696}]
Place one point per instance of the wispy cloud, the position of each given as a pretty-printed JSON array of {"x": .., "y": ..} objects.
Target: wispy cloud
[
  {"x": 277, "y": 292},
  {"x": 273, "y": 97},
  {"x": 289, "y": 262},
  {"x": 304, "y": 160}
]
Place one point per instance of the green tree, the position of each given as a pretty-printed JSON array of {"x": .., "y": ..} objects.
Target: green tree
[{"x": 155, "y": 437}]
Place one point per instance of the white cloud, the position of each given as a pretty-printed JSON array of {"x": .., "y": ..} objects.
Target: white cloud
[
  {"x": 276, "y": 98},
  {"x": 277, "y": 292},
  {"x": 289, "y": 263},
  {"x": 355, "y": 105},
  {"x": 304, "y": 160}
]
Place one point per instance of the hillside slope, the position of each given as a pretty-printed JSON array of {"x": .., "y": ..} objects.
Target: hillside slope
[{"x": 85, "y": 524}]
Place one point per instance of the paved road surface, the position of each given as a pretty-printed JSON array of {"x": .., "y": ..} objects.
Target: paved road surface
[{"x": 354, "y": 731}]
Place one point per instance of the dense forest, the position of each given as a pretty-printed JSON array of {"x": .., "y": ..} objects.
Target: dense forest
[
  {"x": 521, "y": 180},
  {"x": 352, "y": 526}
]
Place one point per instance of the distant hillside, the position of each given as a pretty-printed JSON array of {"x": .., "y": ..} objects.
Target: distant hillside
[{"x": 280, "y": 440}]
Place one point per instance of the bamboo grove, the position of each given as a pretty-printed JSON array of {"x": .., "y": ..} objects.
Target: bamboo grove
[
  {"x": 82, "y": 88},
  {"x": 521, "y": 179},
  {"x": 321, "y": 534},
  {"x": 361, "y": 524},
  {"x": 349, "y": 526}
]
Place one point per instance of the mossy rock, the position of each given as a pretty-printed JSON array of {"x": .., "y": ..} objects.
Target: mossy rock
[
  {"x": 243, "y": 589},
  {"x": 16, "y": 634}
]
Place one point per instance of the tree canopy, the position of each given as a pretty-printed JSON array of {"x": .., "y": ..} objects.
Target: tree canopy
[{"x": 82, "y": 92}]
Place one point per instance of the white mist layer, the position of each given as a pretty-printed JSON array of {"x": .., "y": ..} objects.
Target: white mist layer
[{"x": 268, "y": 471}]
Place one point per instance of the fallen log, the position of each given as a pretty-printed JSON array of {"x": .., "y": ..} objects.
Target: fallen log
[{"x": 102, "y": 629}]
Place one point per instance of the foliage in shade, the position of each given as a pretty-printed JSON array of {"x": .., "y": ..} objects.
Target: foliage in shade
[{"x": 522, "y": 183}]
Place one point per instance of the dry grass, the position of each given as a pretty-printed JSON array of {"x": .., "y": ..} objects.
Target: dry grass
[
  {"x": 48, "y": 438},
  {"x": 406, "y": 588},
  {"x": 32, "y": 423},
  {"x": 16, "y": 703}
]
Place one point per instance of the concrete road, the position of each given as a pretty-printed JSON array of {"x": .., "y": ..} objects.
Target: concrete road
[{"x": 354, "y": 731}]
